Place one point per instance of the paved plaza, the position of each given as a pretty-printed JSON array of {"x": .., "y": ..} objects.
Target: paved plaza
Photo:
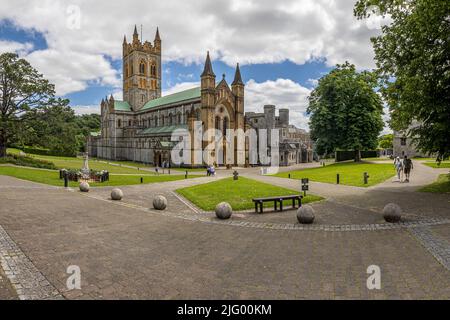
[{"x": 126, "y": 250}]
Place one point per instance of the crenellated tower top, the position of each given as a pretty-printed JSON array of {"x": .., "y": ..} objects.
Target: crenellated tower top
[
  {"x": 138, "y": 45},
  {"x": 141, "y": 70}
]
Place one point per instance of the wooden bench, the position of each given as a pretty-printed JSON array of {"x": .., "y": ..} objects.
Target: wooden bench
[{"x": 260, "y": 201}]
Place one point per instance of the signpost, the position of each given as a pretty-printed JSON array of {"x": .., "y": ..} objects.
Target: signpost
[{"x": 305, "y": 185}]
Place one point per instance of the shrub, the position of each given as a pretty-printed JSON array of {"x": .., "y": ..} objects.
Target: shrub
[{"x": 28, "y": 162}]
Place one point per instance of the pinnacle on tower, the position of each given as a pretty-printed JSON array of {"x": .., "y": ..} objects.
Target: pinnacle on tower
[
  {"x": 124, "y": 39},
  {"x": 237, "y": 77},
  {"x": 208, "y": 71},
  {"x": 157, "y": 37},
  {"x": 135, "y": 34}
]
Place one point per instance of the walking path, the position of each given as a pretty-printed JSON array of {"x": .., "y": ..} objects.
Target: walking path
[{"x": 127, "y": 250}]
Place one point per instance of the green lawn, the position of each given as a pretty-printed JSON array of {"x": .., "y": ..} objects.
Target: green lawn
[
  {"x": 238, "y": 194},
  {"x": 52, "y": 177},
  {"x": 100, "y": 164},
  {"x": 350, "y": 173},
  {"x": 444, "y": 164},
  {"x": 442, "y": 185}
]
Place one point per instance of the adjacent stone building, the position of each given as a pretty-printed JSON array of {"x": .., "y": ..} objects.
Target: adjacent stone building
[
  {"x": 140, "y": 128},
  {"x": 404, "y": 146},
  {"x": 295, "y": 145}
]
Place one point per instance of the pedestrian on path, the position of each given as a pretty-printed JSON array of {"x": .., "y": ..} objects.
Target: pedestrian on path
[
  {"x": 398, "y": 164},
  {"x": 407, "y": 167}
]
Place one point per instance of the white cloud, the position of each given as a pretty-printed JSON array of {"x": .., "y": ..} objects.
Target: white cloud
[
  {"x": 89, "y": 109},
  {"x": 247, "y": 31},
  {"x": 313, "y": 82},
  {"x": 180, "y": 87},
  {"x": 17, "y": 47},
  {"x": 283, "y": 93}
]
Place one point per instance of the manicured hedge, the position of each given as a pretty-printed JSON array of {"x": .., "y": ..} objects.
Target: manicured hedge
[
  {"x": 28, "y": 162},
  {"x": 350, "y": 155}
]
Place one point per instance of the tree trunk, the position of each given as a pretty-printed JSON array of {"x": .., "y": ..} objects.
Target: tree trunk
[
  {"x": 357, "y": 155},
  {"x": 2, "y": 145}
]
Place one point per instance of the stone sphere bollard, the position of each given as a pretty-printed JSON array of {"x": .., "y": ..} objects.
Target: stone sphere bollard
[
  {"x": 392, "y": 213},
  {"x": 160, "y": 203},
  {"x": 305, "y": 214},
  {"x": 116, "y": 194},
  {"x": 84, "y": 187},
  {"x": 223, "y": 210}
]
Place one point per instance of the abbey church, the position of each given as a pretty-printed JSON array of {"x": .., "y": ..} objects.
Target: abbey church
[{"x": 140, "y": 128}]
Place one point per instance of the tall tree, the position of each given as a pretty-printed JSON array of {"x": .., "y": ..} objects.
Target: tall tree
[
  {"x": 22, "y": 88},
  {"x": 346, "y": 111},
  {"x": 413, "y": 63},
  {"x": 386, "y": 141}
]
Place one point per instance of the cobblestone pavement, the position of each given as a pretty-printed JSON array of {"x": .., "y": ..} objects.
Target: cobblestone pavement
[
  {"x": 125, "y": 250},
  {"x": 7, "y": 292},
  {"x": 27, "y": 281}
]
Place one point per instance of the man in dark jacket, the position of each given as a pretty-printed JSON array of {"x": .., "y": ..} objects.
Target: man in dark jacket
[{"x": 407, "y": 167}]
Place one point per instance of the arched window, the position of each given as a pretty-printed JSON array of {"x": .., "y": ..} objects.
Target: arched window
[
  {"x": 153, "y": 70},
  {"x": 198, "y": 115},
  {"x": 170, "y": 119},
  {"x": 217, "y": 124},
  {"x": 162, "y": 120},
  {"x": 179, "y": 118},
  {"x": 142, "y": 67},
  {"x": 225, "y": 125},
  {"x": 119, "y": 123},
  {"x": 126, "y": 70},
  {"x": 129, "y": 123}
]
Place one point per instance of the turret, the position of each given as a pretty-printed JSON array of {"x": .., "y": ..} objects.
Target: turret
[
  {"x": 135, "y": 36},
  {"x": 208, "y": 93},
  {"x": 157, "y": 41}
]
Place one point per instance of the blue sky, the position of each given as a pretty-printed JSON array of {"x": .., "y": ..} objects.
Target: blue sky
[{"x": 282, "y": 47}]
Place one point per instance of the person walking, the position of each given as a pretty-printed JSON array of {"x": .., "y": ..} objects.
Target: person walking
[
  {"x": 407, "y": 167},
  {"x": 398, "y": 164}
]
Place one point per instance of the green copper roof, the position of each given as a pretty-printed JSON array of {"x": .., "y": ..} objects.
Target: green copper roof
[
  {"x": 121, "y": 106},
  {"x": 173, "y": 98},
  {"x": 163, "y": 130}
]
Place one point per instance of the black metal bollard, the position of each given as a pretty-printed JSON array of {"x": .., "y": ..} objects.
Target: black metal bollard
[
  {"x": 337, "y": 178},
  {"x": 289, "y": 175},
  {"x": 366, "y": 178},
  {"x": 142, "y": 180},
  {"x": 66, "y": 181},
  {"x": 186, "y": 175}
]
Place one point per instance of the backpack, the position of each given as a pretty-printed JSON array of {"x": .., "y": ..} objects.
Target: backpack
[{"x": 407, "y": 163}]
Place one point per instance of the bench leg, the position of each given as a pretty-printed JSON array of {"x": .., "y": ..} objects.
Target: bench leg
[
  {"x": 275, "y": 202},
  {"x": 256, "y": 207},
  {"x": 293, "y": 203},
  {"x": 281, "y": 205},
  {"x": 261, "y": 207}
]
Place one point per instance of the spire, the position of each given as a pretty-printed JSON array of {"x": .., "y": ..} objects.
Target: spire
[
  {"x": 124, "y": 39},
  {"x": 237, "y": 77},
  {"x": 135, "y": 35},
  {"x": 208, "y": 71},
  {"x": 157, "y": 38}
]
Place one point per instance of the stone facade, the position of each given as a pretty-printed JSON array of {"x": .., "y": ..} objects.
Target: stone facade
[
  {"x": 404, "y": 146},
  {"x": 141, "y": 127},
  {"x": 295, "y": 145}
]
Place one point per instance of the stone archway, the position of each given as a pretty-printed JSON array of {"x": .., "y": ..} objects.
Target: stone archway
[{"x": 222, "y": 122}]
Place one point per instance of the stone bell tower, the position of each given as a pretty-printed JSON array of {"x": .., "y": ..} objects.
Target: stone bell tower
[{"x": 141, "y": 70}]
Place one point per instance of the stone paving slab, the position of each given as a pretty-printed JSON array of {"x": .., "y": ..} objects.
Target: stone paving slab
[
  {"x": 437, "y": 246},
  {"x": 28, "y": 282},
  {"x": 124, "y": 252}
]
